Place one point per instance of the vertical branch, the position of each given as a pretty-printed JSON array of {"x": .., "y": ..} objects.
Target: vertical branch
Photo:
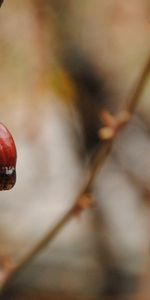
[{"x": 134, "y": 100}]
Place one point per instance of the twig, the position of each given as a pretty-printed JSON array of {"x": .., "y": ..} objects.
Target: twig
[
  {"x": 100, "y": 156},
  {"x": 134, "y": 99},
  {"x": 68, "y": 216}
]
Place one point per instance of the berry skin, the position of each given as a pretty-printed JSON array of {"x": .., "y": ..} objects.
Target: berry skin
[{"x": 8, "y": 158}]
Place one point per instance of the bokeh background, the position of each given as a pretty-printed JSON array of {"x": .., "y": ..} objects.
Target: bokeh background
[{"x": 34, "y": 93}]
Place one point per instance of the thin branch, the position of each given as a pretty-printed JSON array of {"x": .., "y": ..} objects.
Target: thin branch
[
  {"x": 134, "y": 99},
  {"x": 98, "y": 161},
  {"x": 68, "y": 216}
]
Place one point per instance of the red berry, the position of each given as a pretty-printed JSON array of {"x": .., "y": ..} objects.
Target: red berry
[{"x": 8, "y": 157}]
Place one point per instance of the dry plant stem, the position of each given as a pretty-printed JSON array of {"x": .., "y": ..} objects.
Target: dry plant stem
[
  {"x": 134, "y": 99},
  {"x": 100, "y": 156},
  {"x": 68, "y": 216}
]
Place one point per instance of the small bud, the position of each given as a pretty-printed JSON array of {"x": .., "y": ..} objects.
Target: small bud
[
  {"x": 107, "y": 133},
  {"x": 8, "y": 157},
  {"x": 108, "y": 119},
  {"x": 123, "y": 117}
]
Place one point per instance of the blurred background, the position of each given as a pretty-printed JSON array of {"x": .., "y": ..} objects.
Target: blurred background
[{"x": 61, "y": 63}]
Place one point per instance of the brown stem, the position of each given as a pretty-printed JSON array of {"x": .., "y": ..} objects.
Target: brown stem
[
  {"x": 50, "y": 235},
  {"x": 134, "y": 99},
  {"x": 100, "y": 156}
]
